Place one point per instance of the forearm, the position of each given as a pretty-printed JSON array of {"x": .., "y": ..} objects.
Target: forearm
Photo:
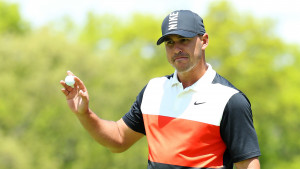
[
  {"x": 104, "y": 132},
  {"x": 252, "y": 163},
  {"x": 116, "y": 136}
]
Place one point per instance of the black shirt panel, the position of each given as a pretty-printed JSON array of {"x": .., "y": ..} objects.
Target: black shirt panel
[
  {"x": 134, "y": 117},
  {"x": 237, "y": 130}
]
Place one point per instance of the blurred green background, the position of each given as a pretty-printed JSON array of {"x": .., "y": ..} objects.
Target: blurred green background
[{"x": 116, "y": 58}]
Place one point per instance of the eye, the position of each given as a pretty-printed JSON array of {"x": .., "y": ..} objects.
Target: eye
[
  {"x": 169, "y": 42},
  {"x": 185, "y": 40}
]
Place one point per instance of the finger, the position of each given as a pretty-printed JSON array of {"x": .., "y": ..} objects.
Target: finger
[
  {"x": 63, "y": 84},
  {"x": 70, "y": 73},
  {"x": 80, "y": 84},
  {"x": 84, "y": 95},
  {"x": 65, "y": 92},
  {"x": 67, "y": 87}
]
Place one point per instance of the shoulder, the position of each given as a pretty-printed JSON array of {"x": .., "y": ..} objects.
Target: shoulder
[
  {"x": 161, "y": 79},
  {"x": 238, "y": 97},
  {"x": 222, "y": 81},
  {"x": 238, "y": 108},
  {"x": 152, "y": 85},
  {"x": 159, "y": 82}
]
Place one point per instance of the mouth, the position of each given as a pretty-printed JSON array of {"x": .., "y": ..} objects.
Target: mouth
[{"x": 180, "y": 57}]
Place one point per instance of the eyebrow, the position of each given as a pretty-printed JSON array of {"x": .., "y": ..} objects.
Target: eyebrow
[{"x": 178, "y": 36}]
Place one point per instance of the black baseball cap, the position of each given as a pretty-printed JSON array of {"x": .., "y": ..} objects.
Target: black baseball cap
[{"x": 182, "y": 22}]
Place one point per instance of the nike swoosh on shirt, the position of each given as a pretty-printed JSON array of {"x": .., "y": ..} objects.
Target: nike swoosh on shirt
[{"x": 197, "y": 103}]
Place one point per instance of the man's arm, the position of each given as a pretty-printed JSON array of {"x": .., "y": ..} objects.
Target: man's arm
[
  {"x": 252, "y": 163},
  {"x": 116, "y": 136}
]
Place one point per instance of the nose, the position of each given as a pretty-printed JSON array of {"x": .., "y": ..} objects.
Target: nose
[{"x": 178, "y": 48}]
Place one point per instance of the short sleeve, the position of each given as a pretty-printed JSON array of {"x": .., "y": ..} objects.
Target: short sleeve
[
  {"x": 237, "y": 129},
  {"x": 134, "y": 117}
]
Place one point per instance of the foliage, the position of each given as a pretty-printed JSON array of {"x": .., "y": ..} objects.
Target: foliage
[
  {"x": 251, "y": 56},
  {"x": 11, "y": 21},
  {"x": 116, "y": 58}
]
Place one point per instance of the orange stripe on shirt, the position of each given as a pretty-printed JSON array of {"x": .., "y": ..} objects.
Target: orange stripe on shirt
[{"x": 183, "y": 142}]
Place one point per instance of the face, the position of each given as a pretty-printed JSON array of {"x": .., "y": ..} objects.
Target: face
[{"x": 184, "y": 54}]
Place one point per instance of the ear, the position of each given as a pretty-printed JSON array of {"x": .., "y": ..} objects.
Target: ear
[{"x": 204, "y": 41}]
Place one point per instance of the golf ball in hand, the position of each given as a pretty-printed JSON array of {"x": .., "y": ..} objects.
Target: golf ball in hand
[{"x": 69, "y": 80}]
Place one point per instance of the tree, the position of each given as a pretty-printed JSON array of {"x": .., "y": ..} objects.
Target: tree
[
  {"x": 11, "y": 21},
  {"x": 116, "y": 58},
  {"x": 247, "y": 51}
]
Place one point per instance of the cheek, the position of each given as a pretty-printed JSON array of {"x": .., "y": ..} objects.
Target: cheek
[
  {"x": 197, "y": 51},
  {"x": 169, "y": 58},
  {"x": 168, "y": 55}
]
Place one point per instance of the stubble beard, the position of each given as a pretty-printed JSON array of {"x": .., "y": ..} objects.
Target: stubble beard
[{"x": 188, "y": 67}]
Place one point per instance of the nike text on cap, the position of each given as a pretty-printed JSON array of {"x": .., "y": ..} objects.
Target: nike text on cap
[{"x": 182, "y": 22}]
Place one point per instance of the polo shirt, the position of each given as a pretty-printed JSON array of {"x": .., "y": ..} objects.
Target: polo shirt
[{"x": 206, "y": 125}]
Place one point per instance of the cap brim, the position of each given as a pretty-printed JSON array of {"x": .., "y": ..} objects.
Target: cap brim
[{"x": 183, "y": 33}]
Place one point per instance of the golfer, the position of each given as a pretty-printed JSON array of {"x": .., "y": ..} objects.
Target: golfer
[{"x": 193, "y": 118}]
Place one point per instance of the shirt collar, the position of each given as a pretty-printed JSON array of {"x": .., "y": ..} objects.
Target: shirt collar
[
  {"x": 205, "y": 80},
  {"x": 175, "y": 80}
]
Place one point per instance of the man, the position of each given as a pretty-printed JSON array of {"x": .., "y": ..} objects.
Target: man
[{"x": 193, "y": 118}]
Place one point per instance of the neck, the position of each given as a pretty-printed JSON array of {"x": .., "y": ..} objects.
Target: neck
[{"x": 190, "y": 77}]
